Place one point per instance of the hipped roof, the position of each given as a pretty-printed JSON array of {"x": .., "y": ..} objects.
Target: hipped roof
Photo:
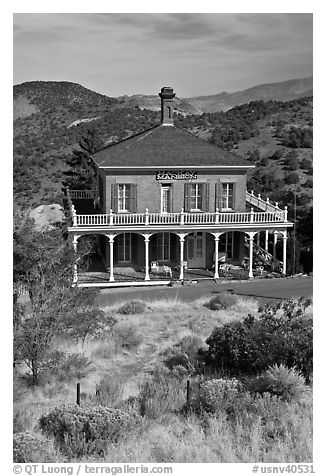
[{"x": 165, "y": 146}]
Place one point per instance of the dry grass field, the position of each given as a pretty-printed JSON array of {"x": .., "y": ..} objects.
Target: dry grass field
[{"x": 134, "y": 351}]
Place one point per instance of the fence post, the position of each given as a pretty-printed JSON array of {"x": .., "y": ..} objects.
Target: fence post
[
  {"x": 78, "y": 393},
  {"x": 188, "y": 397}
]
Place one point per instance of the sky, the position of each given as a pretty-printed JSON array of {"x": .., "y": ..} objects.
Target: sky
[{"x": 138, "y": 53}]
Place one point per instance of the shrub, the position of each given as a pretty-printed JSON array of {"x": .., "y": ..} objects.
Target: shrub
[
  {"x": 32, "y": 448},
  {"x": 187, "y": 353},
  {"x": 62, "y": 367},
  {"x": 292, "y": 163},
  {"x": 278, "y": 154},
  {"x": 221, "y": 301},
  {"x": 73, "y": 366},
  {"x": 280, "y": 381},
  {"x": 109, "y": 392},
  {"x": 292, "y": 178},
  {"x": 308, "y": 183},
  {"x": 133, "y": 307},
  {"x": 164, "y": 393},
  {"x": 127, "y": 336},
  {"x": 277, "y": 335},
  {"x": 216, "y": 394},
  {"x": 84, "y": 430},
  {"x": 305, "y": 163}
]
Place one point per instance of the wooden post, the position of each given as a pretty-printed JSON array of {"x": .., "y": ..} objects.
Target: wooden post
[
  {"x": 188, "y": 396},
  {"x": 78, "y": 393}
]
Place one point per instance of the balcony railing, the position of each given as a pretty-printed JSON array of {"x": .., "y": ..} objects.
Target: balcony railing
[
  {"x": 257, "y": 201},
  {"x": 183, "y": 218}
]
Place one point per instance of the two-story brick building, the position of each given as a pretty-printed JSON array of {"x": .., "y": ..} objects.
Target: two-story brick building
[{"x": 167, "y": 197}]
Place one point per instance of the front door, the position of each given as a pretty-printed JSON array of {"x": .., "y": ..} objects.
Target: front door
[{"x": 196, "y": 250}]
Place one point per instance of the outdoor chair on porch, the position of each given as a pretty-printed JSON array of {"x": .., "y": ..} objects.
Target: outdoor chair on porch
[
  {"x": 156, "y": 268},
  {"x": 221, "y": 259}
]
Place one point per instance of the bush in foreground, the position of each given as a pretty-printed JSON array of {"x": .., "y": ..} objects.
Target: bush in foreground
[
  {"x": 84, "y": 430},
  {"x": 281, "y": 381},
  {"x": 222, "y": 301},
  {"x": 32, "y": 448},
  {"x": 278, "y": 335},
  {"x": 133, "y": 307},
  {"x": 215, "y": 394}
]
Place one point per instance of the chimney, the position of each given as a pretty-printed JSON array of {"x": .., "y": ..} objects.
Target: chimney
[{"x": 167, "y": 96}]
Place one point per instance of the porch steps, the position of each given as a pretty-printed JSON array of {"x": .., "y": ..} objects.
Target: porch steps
[
  {"x": 258, "y": 202},
  {"x": 261, "y": 255}
]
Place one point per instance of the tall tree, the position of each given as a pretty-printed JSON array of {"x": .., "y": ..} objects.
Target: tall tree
[
  {"x": 43, "y": 265},
  {"x": 82, "y": 172}
]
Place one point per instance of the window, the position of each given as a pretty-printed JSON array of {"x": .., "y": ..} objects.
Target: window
[
  {"x": 163, "y": 247},
  {"x": 124, "y": 248},
  {"x": 227, "y": 196},
  {"x": 196, "y": 196},
  {"x": 166, "y": 199},
  {"x": 226, "y": 243},
  {"x": 124, "y": 197}
]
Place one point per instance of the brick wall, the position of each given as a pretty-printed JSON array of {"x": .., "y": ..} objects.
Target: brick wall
[{"x": 149, "y": 189}]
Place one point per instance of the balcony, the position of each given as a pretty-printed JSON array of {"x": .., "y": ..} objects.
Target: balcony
[
  {"x": 182, "y": 218},
  {"x": 271, "y": 215}
]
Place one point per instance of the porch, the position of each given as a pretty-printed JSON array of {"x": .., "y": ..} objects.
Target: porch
[
  {"x": 129, "y": 276},
  {"x": 200, "y": 242}
]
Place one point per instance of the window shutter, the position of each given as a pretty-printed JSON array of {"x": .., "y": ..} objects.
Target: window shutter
[
  {"x": 133, "y": 197},
  {"x": 205, "y": 197},
  {"x": 171, "y": 198},
  {"x": 114, "y": 197},
  {"x": 233, "y": 198},
  {"x": 218, "y": 195},
  {"x": 187, "y": 197}
]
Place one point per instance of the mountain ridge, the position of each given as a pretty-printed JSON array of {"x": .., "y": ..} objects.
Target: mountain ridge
[{"x": 29, "y": 97}]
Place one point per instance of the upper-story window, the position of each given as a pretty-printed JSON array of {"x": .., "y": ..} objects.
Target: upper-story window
[
  {"x": 196, "y": 197},
  {"x": 166, "y": 199},
  {"x": 124, "y": 197},
  {"x": 227, "y": 199}
]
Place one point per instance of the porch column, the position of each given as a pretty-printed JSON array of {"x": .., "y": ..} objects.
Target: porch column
[
  {"x": 74, "y": 243},
  {"x": 258, "y": 239},
  {"x": 274, "y": 245},
  {"x": 251, "y": 241},
  {"x": 284, "y": 252},
  {"x": 266, "y": 240},
  {"x": 146, "y": 238},
  {"x": 217, "y": 239},
  {"x": 182, "y": 242},
  {"x": 111, "y": 238}
]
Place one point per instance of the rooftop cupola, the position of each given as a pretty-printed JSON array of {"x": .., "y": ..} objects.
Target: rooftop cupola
[{"x": 167, "y": 96}]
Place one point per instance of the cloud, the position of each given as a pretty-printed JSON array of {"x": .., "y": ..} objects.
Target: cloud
[{"x": 126, "y": 53}]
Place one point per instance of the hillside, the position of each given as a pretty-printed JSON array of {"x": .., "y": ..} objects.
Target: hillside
[
  {"x": 52, "y": 118},
  {"x": 284, "y": 91},
  {"x": 153, "y": 103}
]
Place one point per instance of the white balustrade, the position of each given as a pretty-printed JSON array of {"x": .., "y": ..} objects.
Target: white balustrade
[
  {"x": 184, "y": 218},
  {"x": 83, "y": 194},
  {"x": 258, "y": 202}
]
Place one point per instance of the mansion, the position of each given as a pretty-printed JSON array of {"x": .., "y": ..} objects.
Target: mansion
[{"x": 169, "y": 202}]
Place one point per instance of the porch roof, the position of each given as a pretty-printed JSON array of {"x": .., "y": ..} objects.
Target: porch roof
[{"x": 166, "y": 146}]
